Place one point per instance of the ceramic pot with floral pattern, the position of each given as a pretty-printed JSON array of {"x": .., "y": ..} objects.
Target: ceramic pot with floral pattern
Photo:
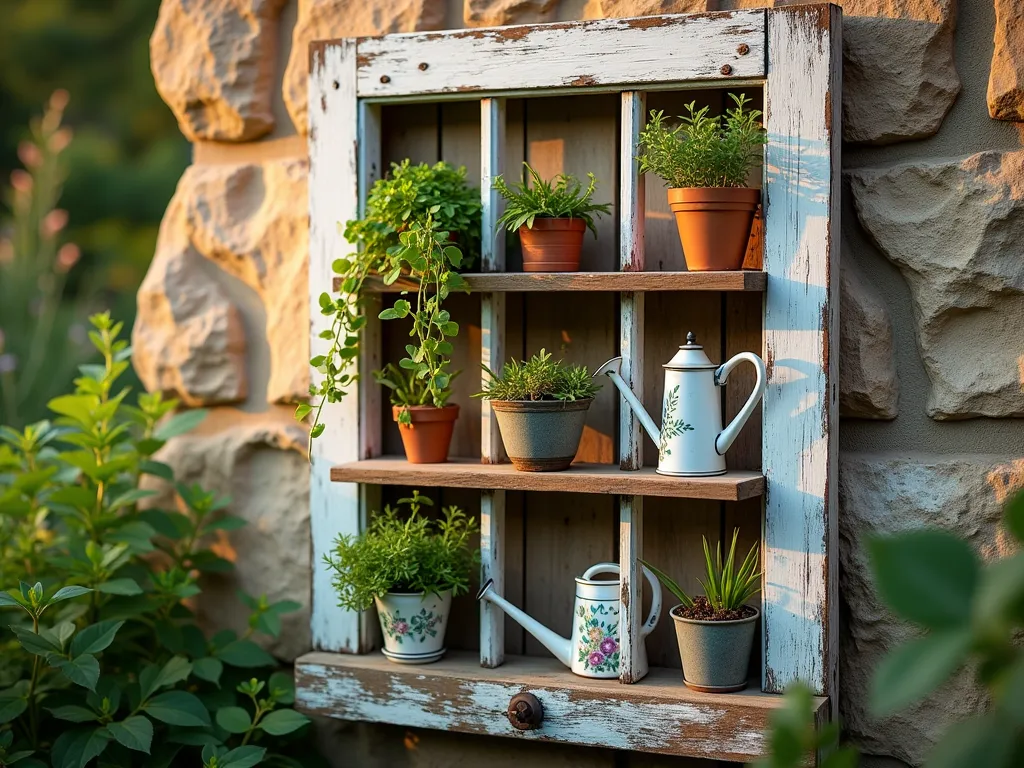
[{"x": 413, "y": 625}]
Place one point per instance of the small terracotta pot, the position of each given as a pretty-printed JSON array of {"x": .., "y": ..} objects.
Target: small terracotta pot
[
  {"x": 714, "y": 225},
  {"x": 429, "y": 436},
  {"x": 552, "y": 245}
]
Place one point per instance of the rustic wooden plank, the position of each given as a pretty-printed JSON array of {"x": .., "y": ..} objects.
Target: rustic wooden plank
[
  {"x": 633, "y": 655},
  {"x": 640, "y": 282},
  {"x": 580, "y": 478},
  {"x": 492, "y": 567},
  {"x": 333, "y": 196},
  {"x": 657, "y": 715},
  {"x": 587, "y": 54},
  {"x": 801, "y": 257}
]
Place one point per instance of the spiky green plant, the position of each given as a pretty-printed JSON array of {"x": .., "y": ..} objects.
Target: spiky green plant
[
  {"x": 563, "y": 197},
  {"x": 539, "y": 378}
]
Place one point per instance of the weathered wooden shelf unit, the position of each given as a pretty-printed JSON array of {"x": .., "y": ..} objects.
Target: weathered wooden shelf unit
[{"x": 479, "y": 98}]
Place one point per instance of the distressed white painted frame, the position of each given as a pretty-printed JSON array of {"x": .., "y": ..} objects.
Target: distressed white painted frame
[{"x": 796, "y": 53}]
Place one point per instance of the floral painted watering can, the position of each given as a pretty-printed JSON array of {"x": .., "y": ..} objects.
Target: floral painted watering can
[
  {"x": 691, "y": 441},
  {"x": 594, "y": 648}
]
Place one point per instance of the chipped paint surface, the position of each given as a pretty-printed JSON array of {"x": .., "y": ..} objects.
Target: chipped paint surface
[{"x": 592, "y": 53}]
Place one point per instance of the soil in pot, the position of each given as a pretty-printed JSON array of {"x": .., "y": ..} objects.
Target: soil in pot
[
  {"x": 413, "y": 625},
  {"x": 552, "y": 245},
  {"x": 429, "y": 436},
  {"x": 714, "y": 225},
  {"x": 715, "y": 652},
  {"x": 541, "y": 435}
]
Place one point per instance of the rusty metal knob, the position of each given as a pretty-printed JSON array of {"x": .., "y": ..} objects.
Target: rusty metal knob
[
  {"x": 525, "y": 712},
  {"x": 726, "y": 69}
]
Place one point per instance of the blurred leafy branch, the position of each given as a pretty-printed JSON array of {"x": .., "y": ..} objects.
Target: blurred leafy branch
[
  {"x": 101, "y": 655},
  {"x": 970, "y": 615}
]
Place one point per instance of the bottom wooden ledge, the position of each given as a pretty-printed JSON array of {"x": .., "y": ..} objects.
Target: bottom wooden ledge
[{"x": 658, "y": 714}]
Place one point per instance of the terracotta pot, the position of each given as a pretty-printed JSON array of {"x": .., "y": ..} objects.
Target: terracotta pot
[
  {"x": 429, "y": 436},
  {"x": 541, "y": 435},
  {"x": 715, "y": 654},
  {"x": 552, "y": 245},
  {"x": 714, "y": 225}
]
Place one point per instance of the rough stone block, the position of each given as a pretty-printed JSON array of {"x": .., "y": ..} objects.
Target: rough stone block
[
  {"x": 1006, "y": 77},
  {"x": 868, "y": 385}
]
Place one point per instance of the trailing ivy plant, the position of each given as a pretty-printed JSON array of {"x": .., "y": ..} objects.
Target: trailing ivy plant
[
  {"x": 101, "y": 656},
  {"x": 391, "y": 239},
  {"x": 563, "y": 197},
  {"x": 539, "y": 378},
  {"x": 414, "y": 554},
  {"x": 703, "y": 150}
]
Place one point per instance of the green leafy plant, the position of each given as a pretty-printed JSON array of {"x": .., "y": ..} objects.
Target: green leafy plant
[
  {"x": 415, "y": 554},
  {"x": 703, "y": 150},
  {"x": 727, "y": 585},
  {"x": 562, "y": 197},
  {"x": 406, "y": 388},
  {"x": 539, "y": 378},
  {"x": 794, "y": 740},
  {"x": 101, "y": 655},
  {"x": 38, "y": 315}
]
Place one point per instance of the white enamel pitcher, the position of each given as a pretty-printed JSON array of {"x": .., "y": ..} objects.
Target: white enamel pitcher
[
  {"x": 594, "y": 648},
  {"x": 691, "y": 441}
]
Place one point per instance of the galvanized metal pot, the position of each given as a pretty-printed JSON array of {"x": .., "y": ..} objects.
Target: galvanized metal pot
[
  {"x": 541, "y": 435},
  {"x": 715, "y": 654}
]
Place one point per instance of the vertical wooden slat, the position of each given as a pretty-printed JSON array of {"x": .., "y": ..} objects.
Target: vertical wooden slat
[
  {"x": 333, "y": 196},
  {"x": 492, "y": 346},
  {"x": 631, "y": 346},
  {"x": 801, "y": 257}
]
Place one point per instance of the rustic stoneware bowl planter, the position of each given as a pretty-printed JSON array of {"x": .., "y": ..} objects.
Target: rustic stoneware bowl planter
[
  {"x": 413, "y": 625},
  {"x": 428, "y": 438},
  {"x": 714, "y": 225},
  {"x": 715, "y": 654},
  {"x": 541, "y": 435},
  {"x": 552, "y": 245}
]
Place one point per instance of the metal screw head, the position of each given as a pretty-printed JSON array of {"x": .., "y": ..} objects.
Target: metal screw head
[
  {"x": 335, "y": 85},
  {"x": 743, "y": 49},
  {"x": 525, "y": 712},
  {"x": 385, "y": 79},
  {"x": 726, "y": 69},
  {"x": 423, "y": 66}
]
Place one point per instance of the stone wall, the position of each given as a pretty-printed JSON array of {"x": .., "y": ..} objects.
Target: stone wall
[{"x": 931, "y": 354}]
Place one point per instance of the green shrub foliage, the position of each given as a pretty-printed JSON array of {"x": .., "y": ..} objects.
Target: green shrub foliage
[
  {"x": 703, "y": 150},
  {"x": 561, "y": 198},
  {"x": 101, "y": 658},
  {"x": 414, "y": 554},
  {"x": 539, "y": 378}
]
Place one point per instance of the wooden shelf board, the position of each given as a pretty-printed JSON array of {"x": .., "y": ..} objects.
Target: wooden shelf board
[
  {"x": 509, "y": 282},
  {"x": 658, "y": 714},
  {"x": 580, "y": 478}
]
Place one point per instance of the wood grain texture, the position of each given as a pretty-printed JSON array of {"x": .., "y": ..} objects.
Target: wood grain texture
[
  {"x": 579, "y": 478},
  {"x": 334, "y": 508},
  {"x": 592, "y": 54},
  {"x": 641, "y": 282},
  {"x": 658, "y": 715},
  {"x": 801, "y": 257},
  {"x": 492, "y": 567},
  {"x": 633, "y": 656}
]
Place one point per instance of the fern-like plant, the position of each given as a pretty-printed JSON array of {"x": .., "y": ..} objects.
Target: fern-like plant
[
  {"x": 539, "y": 378},
  {"x": 703, "y": 150},
  {"x": 407, "y": 389},
  {"x": 563, "y": 197},
  {"x": 415, "y": 554},
  {"x": 727, "y": 586}
]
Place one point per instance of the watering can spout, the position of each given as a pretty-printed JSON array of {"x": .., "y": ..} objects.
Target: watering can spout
[
  {"x": 611, "y": 370},
  {"x": 560, "y": 647}
]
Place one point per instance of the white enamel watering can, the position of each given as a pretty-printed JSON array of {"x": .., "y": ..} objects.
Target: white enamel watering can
[
  {"x": 594, "y": 648},
  {"x": 691, "y": 441}
]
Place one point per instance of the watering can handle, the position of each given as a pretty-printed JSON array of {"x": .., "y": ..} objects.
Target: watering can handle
[
  {"x": 655, "y": 612},
  {"x": 728, "y": 435}
]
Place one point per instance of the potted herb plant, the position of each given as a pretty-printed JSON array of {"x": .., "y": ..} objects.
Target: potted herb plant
[
  {"x": 408, "y": 196},
  {"x": 420, "y": 400},
  {"x": 715, "y": 631},
  {"x": 551, "y": 218},
  {"x": 541, "y": 406},
  {"x": 410, "y": 569},
  {"x": 706, "y": 160}
]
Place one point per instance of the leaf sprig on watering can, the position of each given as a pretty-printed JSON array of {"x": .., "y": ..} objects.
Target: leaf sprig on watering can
[
  {"x": 414, "y": 554},
  {"x": 539, "y": 378},
  {"x": 727, "y": 585},
  {"x": 562, "y": 197},
  {"x": 703, "y": 150},
  {"x": 428, "y": 255}
]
